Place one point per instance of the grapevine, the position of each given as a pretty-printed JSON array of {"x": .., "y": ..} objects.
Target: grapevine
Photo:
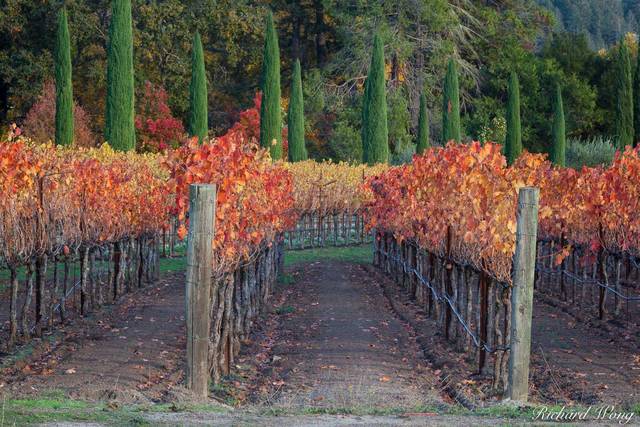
[{"x": 465, "y": 195}]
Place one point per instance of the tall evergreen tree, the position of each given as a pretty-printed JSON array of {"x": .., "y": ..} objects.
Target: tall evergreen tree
[
  {"x": 297, "y": 149},
  {"x": 376, "y": 134},
  {"x": 365, "y": 106},
  {"x": 198, "y": 115},
  {"x": 451, "y": 105},
  {"x": 624, "y": 95},
  {"x": 270, "y": 119},
  {"x": 64, "y": 86},
  {"x": 119, "y": 115},
  {"x": 559, "y": 138},
  {"x": 423, "y": 126},
  {"x": 636, "y": 104},
  {"x": 513, "y": 142}
]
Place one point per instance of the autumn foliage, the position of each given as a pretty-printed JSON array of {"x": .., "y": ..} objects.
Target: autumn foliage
[
  {"x": 56, "y": 198},
  {"x": 59, "y": 198},
  {"x": 39, "y": 124},
  {"x": 470, "y": 193},
  {"x": 326, "y": 188},
  {"x": 157, "y": 130},
  {"x": 247, "y": 127},
  {"x": 254, "y": 195}
]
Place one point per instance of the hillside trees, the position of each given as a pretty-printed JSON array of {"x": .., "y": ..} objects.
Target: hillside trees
[
  {"x": 375, "y": 132},
  {"x": 513, "y": 142},
  {"x": 295, "y": 124},
  {"x": 624, "y": 133},
  {"x": 270, "y": 116},
  {"x": 559, "y": 138},
  {"x": 422, "y": 140},
  {"x": 119, "y": 115},
  {"x": 451, "y": 105},
  {"x": 64, "y": 86},
  {"x": 198, "y": 115}
]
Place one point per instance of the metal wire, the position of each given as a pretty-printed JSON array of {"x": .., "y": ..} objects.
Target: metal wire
[
  {"x": 583, "y": 282},
  {"x": 477, "y": 342}
]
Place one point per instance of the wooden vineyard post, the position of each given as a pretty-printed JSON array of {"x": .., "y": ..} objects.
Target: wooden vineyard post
[
  {"x": 202, "y": 202},
  {"x": 522, "y": 293}
]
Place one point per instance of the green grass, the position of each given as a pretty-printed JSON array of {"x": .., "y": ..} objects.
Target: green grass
[
  {"x": 55, "y": 407},
  {"x": 286, "y": 279},
  {"x": 168, "y": 265},
  {"x": 353, "y": 254},
  {"x": 285, "y": 309}
]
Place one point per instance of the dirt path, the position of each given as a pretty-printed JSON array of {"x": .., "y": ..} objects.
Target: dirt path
[
  {"x": 581, "y": 363},
  {"x": 332, "y": 341},
  {"x": 341, "y": 347},
  {"x": 130, "y": 352}
]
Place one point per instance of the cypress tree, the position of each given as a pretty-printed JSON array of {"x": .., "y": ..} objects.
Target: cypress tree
[
  {"x": 451, "y": 105},
  {"x": 64, "y": 86},
  {"x": 513, "y": 143},
  {"x": 365, "y": 106},
  {"x": 624, "y": 104},
  {"x": 423, "y": 126},
  {"x": 297, "y": 149},
  {"x": 270, "y": 119},
  {"x": 198, "y": 115},
  {"x": 559, "y": 139},
  {"x": 636, "y": 104},
  {"x": 376, "y": 134},
  {"x": 119, "y": 115}
]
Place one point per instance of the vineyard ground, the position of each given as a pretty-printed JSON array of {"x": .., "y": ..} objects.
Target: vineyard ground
[{"x": 332, "y": 350}]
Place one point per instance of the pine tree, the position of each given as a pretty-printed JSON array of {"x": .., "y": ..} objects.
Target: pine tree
[
  {"x": 376, "y": 134},
  {"x": 198, "y": 115},
  {"x": 297, "y": 149},
  {"x": 64, "y": 86},
  {"x": 423, "y": 126},
  {"x": 624, "y": 95},
  {"x": 119, "y": 115},
  {"x": 270, "y": 119},
  {"x": 513, "y": 142},
  {"x": 559, "y": 138},
  {"x": 451, "y": 105}
]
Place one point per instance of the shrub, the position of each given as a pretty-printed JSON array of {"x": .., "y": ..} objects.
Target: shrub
[
  {"x": 590, "y": 152},
  {"x": 405, "y": 155},
  {"x": 39, "y": 124},
  {"x": 157, "y": 129}
]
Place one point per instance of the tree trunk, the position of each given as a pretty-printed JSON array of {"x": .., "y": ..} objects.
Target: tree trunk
[
  {"x": 84, "y": 279},
  {"x": 26, "y": 332},
  {"x": 13, "y": 309},
  {"x": 41, "y": 272},
  {"x": 321, "y": 38}
]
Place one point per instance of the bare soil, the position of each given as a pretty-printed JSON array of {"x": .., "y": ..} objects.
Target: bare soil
[
  {"x": 130, "y": 352},
  {"x": 341, "y": 336},
  {"x": 580, "y": 362},
  {"x": 339, "y": 346},
  {"x": 572, "y": 361}
]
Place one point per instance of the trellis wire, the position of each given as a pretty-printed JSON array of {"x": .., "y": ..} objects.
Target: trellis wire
[
  {"x": 406, "y": 268},
  {"x": 140, "y": 260},
  {"x": 603, "y": 274},
  {"x": 582, "y": 282},
  {"x": 314, "y": 229}
]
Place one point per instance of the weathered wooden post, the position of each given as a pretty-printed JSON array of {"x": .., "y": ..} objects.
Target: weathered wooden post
[
  {"x": 524, "y": 263},
  {"x": 202, "y": 202}
]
